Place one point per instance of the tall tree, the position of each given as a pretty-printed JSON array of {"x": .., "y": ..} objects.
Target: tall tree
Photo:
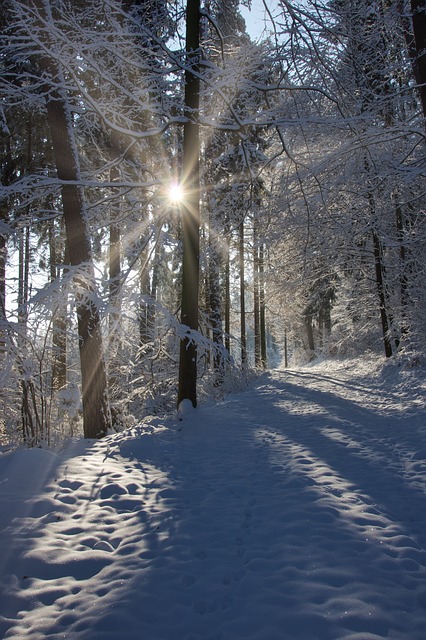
[
  {"x": 418, "y": 8},
  {"x": 96, "y": 415},
  {"x": 93, "y": 376},
  {"x": 242, "y": 270},
  {"x": 190, "y": 209},
  {"x": 59, "y": 323}
]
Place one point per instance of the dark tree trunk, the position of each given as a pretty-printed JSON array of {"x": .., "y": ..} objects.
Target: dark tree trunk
[
  {"x": 310, "y": 334},
  {"x": 59, "y": 341},
  {"x": 23, "y": 275},
  {"x": 379, "y": 273},
  {"x": 262, "y": 307},
  {"x": 227, "y": 294},
  {"x": 151, "y": 311},
  {"x": 144, "y": 290},
  {"x": 243, "y": 335},
  {"x": 418, "y": 8},
  {"x": 324, "y": 315},
  {"x": 93, "y": 375},
  {"x": 31, "y": 429},
  {"x": 114, "y": 266},
  {"x": 114, "y": 277},
  {"x": 59, "y": 323},
  {"x": 285, "y": 349},
  {"x": 114, "y": 315},
  {"x": 403, "y": 269},
  {"x": 190, "y": 208},
  {"x": 7, "y": 179},
  {"x": 96, "y": 414},
  {"x": 3, "y": 260},
  {"x": 256, "y": 306},
  {"x": 378, "y": 265},
  {"x": 215, "y": 299}
]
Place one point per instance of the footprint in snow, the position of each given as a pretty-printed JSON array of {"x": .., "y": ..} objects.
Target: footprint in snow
[
  {"x": 112, "y": 489},
  {"x": 73, "y": 485}
]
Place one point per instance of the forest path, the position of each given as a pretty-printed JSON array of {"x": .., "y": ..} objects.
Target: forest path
[{"x": 293, "y": 510}]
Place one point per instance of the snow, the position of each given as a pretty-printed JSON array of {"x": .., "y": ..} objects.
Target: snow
[{"x": 293, "y": 510}]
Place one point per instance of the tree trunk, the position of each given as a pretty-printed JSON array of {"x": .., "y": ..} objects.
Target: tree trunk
[
  {"x": 379, "y": 272},
  {"x": 262, "y": 307},
  {"x": 23, "y": 275},
  {"x": 378, "y": 265},
  {"x": 256, "y": 307},
  {"x": 215, "y": 301},
  {"x": 227, "y": 291},
  {"x": 59, "y": 342},
  {"x": 403, "y": 269},
  {"x": 310, "y": 334},
  {"x": 114, "y": 314},
  {"x": 30, "y": 431},
  {"x": 285, "y": 349},
  {"x": 418, "y": 8},
  {"x": 3, "y": 260},
  {"x": 114, "y": 279},
  {"x": 93, "y": 375},
  {"x": 59, "y": 322},
  {"x": 6, "y": 179},
  {"x": 114, "y": 268},
  {"x": 243, "y": 335},
  {"x": 144, "y": 292},
  {"x": 151, "y": 311},
  {"x": 190, "y": 209}
]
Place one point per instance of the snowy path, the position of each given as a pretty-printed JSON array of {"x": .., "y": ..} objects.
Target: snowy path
[{"x": 294, "y": 510}]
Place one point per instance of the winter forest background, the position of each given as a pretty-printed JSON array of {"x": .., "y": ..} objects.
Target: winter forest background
[{"x": 298, "y": 231}]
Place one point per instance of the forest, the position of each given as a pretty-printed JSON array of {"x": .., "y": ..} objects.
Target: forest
[{"x": 184, "y": 202}]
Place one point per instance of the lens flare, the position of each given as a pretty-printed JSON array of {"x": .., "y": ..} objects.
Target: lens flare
[{"x": 175, "y": 192}]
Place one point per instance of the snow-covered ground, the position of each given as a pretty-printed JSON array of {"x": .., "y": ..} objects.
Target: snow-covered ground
[{"x": 293, "y": 510}]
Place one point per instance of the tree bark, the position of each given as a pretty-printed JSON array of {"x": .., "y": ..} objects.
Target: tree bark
[
  {"x": 215, "y": 300},
  {"x": 93, "y": 375},
  {"x": 285, "y": 349},
  {"x": 31, "y": 429},
  {"x": 114, "y": 313},
  {"x": 190, "y": 209},
  {"x": 256, "y": 307},
  {"x": 382, "y": 295},
  {"x": 7, "y": 179},
  {"x": 227, "y": 292},
  {"x": 3, "y": 260},
  {"x": 404, "y": 270},
  {"x": 153, "y": 296},
  {"x": 418, "y": 8},
  {"x": 144, "y": 293},
  {"x": 262, "y": 307},
  {"x": 310, "y": 334},
  {"x": 243, "y": 334},
  {"x": 114, "y": 266},
  {"x": 23, "y": 275},
  {"x": 59, "y": 323}
]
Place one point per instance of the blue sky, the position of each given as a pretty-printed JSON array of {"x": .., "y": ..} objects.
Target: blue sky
[{"x": 254, "y": 18}]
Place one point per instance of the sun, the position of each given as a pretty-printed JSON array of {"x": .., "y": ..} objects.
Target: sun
[{"x": 176, "y": 193}]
